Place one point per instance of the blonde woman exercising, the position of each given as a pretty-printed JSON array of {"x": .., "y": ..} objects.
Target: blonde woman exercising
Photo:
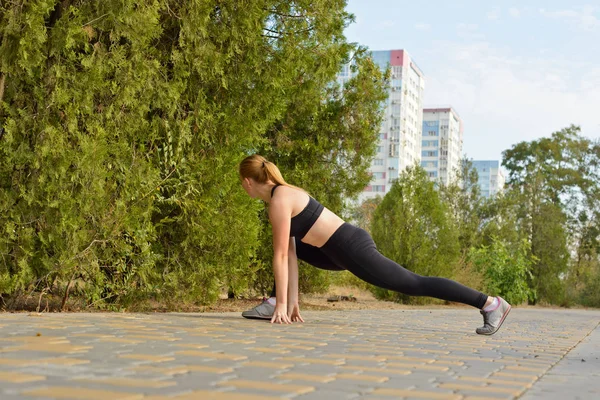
[{"x": 304, "y": 229}]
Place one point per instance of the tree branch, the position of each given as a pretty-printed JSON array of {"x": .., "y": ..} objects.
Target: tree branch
[
  {"x": 2, "y": 83},
  {"x": 94, "y": 20},
  {"x": 275, "y": 12},
  {"x": 280, "y": 33}
]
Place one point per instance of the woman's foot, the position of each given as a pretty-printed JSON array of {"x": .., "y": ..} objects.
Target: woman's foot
[
  {"x": 493, "y": 319},
  {"x": 262, "y": 311}
]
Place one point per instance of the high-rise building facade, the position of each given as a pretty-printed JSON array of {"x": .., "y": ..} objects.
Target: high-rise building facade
[
  {"x": 442, "y": 143},
  {"x": 399, "y": 144},
  {"x": 491, "y": 179}
]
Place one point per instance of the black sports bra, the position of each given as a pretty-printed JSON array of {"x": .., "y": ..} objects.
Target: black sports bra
[{"x": 302, "y": 222}]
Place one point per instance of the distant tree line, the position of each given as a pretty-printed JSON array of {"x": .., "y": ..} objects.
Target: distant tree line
[{"x": 536, "y": 242}]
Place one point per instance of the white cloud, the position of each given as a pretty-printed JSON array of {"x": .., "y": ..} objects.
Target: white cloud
[
  {"x": 494, "y": 14},
  {"x": 467, "y": 27},
  {"x": 590, "y": 80},
  {"x": 514, "y": 12},
  {"x": 584, "y": 18},
  {"x": 469, "y": 31},
  {"x": 421, "y": 26},
  {"x": 559, "y": 14},
  {"x": 504, "y": 99}
]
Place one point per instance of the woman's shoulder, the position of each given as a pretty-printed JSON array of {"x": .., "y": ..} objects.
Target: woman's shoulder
[
  {"x": 284, "y": 193},
  {"x": 288, "y": 189}
]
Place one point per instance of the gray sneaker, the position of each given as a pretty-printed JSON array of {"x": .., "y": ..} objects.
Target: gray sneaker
[
  {"x": 492, "y": 320},
  {"x": 264, "y": 310}
]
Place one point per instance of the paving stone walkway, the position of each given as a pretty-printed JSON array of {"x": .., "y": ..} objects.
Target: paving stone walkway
[{"x": 374, "y": 355}]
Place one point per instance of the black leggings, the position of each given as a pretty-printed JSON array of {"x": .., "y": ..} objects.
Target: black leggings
[{"x": 351, "y": 248}]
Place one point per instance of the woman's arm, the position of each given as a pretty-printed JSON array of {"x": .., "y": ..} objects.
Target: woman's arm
[
  {"x": 280, "y": 217},
  {"x": 293, "y": 306},
  {"x": 292, "y": 275}
]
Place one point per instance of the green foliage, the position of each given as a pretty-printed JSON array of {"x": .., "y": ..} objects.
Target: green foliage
[
  {"x": 123, "y": 123},
  {"x": 413, "y": 227},
  {"x": 362, "y": 214},
  {"x": 463, "y": 197},
  {"x": 584, "y": 282},
  {"x": 556, "y": 182},
  {"x": 567, "y": 163},
  {"x": 324, "y": 143},
  {"x": 506, "y": 270}
]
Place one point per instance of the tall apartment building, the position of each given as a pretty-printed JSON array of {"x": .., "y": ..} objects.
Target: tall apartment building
[
  {"x": 491, "y": 179},
  {"x": 442, "y": 144},
  {"x": 399, "y": 144}
]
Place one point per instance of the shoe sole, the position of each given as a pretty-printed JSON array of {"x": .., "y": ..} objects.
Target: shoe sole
[
  {"x": 256, "y": 317},
  {"x": 501, "y": 322}
]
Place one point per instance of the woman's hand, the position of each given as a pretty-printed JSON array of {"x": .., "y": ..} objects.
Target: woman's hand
[
  {"x": 280, "y": 315},
  {"x": 294, "y": 313}
]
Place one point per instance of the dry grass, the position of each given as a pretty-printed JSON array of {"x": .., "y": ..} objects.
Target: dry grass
[
  {"x": 364, "y": 301},
  {"x": 309, "y": 302}
]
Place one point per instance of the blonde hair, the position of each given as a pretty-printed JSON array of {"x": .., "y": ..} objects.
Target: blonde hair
[{"x": 261, "y": 170}]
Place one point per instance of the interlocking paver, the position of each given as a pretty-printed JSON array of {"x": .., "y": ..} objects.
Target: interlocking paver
[
  {"x": 374, "y": 354},
  {"x": 82, "y": 393},
  {"x": 17, "y": 377}
]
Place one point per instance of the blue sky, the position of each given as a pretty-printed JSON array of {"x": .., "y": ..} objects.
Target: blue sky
[{"x": 513, "y": 70}]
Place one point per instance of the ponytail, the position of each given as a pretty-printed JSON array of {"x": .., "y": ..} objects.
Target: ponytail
[{"x": 273, "y": 173}]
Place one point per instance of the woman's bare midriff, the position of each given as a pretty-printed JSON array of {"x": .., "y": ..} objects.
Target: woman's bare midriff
[{"x": 323, "y": 228}]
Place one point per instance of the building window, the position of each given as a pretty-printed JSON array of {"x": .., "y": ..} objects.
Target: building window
[
  {"x": 429, "y": 164},
  {"x": 430, "y": 143},
  {"x": 378, "y": 161},
  {"x": 429, "y": 153},
  {"x": 378, "y": 188},
  {"x": 380, "y": 149}
]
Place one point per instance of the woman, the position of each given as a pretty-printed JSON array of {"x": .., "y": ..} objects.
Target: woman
[{"x": 304, "y": 229}]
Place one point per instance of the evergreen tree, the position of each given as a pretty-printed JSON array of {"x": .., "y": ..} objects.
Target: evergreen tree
[
  {"x": 324, "y": 143},
  {"x": 463, "y": 197},
  {"x": 122, "y": 125},
  {"x": 413, "y": 227}
]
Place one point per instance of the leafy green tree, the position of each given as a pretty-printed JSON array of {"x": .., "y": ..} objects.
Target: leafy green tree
[
  {"x": 363, "y": 213},
  {"x": 324, "y": 143},
  {"x": 557, "y": 182},
  {"x": 413, "y": 227},
  {"x": 506, "y": 271},
  {"x": 122, "y": 125},
  {"x": 463, "y": 197},
  {"x": 567, "y": 163},
  {"x": 584, "y": 275}
]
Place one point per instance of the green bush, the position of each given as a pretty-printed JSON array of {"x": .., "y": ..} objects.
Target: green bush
[
  {"x": 506, "y": 271},
  {"x": 413, "y": 227},
  {"x": 122, "y": 123}
]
